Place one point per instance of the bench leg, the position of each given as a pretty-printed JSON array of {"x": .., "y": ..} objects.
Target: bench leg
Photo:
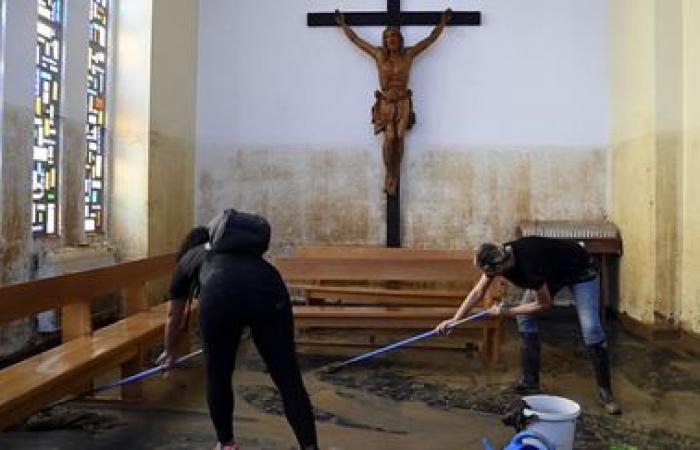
[
  {"x": 132, "y": 391},
  {"x": 491, "y": 345},
  {"x": 485, "y": 346},
  {"x": 183, "y": 345},
  {"x": 76, "y": 322},
  {"x": 495, "y": 355}
]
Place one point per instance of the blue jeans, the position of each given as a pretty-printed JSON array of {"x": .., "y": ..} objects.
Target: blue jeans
[{"x": 586, "y": 298}]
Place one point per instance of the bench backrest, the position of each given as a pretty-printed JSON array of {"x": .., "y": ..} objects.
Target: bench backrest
[
  {"x": 341, "y": 251},
  {"x": 377, "y": 269},
  {"x": 30, "y": 384},
  {"x": 74, "y": 292}
]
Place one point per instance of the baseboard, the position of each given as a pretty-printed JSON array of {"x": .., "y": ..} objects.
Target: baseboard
[
  {"x": 651, "y": 332},
  {"x": 690, "y": 342}
]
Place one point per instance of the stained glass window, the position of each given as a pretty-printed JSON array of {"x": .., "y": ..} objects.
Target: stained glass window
[
  {"x": 96, "y": 90},
  {"x": 47, "y": 94}
]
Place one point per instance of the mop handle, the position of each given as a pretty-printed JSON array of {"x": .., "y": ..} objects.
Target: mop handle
[
  {"x": 409, "y": 340},
  {"x": 124, "y": 381},
  {"x": 144, "y": 374}
]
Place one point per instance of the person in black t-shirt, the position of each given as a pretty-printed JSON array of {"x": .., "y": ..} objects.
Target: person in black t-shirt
[
  {"x": 543, "y": 266},
  {"x": 238, "y": 288}
]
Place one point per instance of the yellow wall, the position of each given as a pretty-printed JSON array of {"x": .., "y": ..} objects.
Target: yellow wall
[
  {"x": 690, "y": 272},
  {"x": 669, "y": 133},
  {"x": 154, "y": 129},
  {"x": 172, "y": 123},
  {"x": 132, "y": 72},
  {"x": 632, "y": 186},
  {"x": 655, "y": 131}
]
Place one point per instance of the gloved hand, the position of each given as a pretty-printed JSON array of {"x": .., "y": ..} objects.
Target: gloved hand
[
  {"x": 444, "y": 327},
  {"x": 166, "y": 360}
]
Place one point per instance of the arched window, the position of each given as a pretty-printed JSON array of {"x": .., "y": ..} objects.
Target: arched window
[
  {"x": 96, "y": 111},
  {"x": 47, "y": 95}
]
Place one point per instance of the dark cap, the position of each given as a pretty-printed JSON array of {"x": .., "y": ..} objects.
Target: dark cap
[{"x": 489, "y": 255}]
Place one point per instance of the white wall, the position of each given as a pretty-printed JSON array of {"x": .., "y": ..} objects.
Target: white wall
[{"x": 529, "y": 83}]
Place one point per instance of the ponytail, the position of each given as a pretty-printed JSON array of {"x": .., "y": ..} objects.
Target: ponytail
[{"x": 196, "y": 236}]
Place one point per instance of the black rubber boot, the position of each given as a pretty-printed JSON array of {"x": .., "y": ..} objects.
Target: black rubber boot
[
  {"x": 529, "y": 383},
  {"x": 601, "y": 367}
]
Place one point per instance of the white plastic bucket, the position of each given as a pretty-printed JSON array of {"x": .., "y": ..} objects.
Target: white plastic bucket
[{"x": 556, "y": 419}]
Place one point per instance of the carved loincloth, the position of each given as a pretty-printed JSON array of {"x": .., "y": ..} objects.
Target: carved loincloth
[{"x": 392, "y": 107}]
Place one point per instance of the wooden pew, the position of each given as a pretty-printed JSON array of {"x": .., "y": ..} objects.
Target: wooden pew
[
  {"x": 430, "y": 267},
  {"x": 353, "y": 251},
  {"x": 37, "y": 381},
  {"x": 377, "y": 287}
]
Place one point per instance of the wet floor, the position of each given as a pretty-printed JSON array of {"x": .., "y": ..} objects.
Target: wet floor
[{"x": 410, "y": 399}]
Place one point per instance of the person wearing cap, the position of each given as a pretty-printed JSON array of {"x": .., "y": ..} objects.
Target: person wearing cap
[
  {"x": 543, "y": 266},
  {"x": 238, "y": 289}
]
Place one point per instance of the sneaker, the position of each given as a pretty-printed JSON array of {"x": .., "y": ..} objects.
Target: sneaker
[
  {"x": 609, "y": 403},
  {"x": 220, "y": 446}
]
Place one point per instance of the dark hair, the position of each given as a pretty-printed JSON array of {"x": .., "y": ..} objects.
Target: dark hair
[
  {"x": 196, "y": 236},
  {"x": 489, "y": 255}
]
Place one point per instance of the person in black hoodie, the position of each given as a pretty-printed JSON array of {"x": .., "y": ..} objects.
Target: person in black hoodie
[{"x": 237, "y": 289}]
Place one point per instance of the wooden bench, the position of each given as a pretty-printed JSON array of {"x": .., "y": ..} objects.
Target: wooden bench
[
  {"x": 460, "y": 260},
  {"x": 37, "y": 381},
  {"x": 380, "y": 288}
]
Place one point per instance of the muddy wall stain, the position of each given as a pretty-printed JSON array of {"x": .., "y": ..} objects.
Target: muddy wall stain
[
  {"x": 16, "y": 214},
  {"x": 451, "y": 198}
]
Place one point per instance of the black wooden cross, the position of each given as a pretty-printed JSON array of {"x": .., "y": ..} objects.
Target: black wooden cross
[
  {"x": 393, "y": 17},
  {"x": 397, "y": 18}
]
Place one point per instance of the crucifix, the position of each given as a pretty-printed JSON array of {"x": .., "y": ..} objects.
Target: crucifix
[{"x": 392, "y": 113}]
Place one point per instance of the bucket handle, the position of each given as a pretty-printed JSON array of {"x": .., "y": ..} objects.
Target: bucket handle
[{"x": 530, "y": 414}]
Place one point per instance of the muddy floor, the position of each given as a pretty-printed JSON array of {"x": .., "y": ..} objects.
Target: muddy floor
[{"x": 410, "y": 399}]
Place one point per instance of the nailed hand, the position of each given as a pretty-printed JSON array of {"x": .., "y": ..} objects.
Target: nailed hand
[
  {"x": 339, "y": 18},
  {"x": 447, "y": 16}
]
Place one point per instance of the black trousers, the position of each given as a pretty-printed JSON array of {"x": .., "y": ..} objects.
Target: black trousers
[{"x": 222, "y": 319}]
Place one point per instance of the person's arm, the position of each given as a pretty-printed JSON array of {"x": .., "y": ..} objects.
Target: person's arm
[
  {"x": 353, "y": 37},
  {"x": 543, "y": 301},
  {"x": 179, "y": 294},
  {"x": 432, "y": 37},
  {"x": 173, "y": 331},
  {"x": 476, "y": 294}
]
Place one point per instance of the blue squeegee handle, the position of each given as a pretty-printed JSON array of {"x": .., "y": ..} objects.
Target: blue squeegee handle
[
  {"x": 157, "y": 369},
  {"x": 144, "y": 374},
  {"x": 409, "y": 340},
  {"x": 124, "y": 381}
]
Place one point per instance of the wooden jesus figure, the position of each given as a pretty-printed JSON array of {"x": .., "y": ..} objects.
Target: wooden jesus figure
[{"x": 392, "y": 113}]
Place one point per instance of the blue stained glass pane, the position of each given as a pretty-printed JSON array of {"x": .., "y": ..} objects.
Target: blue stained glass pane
[{"x": 96, "y": 102}]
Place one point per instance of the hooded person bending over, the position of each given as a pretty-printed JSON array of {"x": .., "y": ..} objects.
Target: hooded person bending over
[
  {"x": 543, "y": 266},
  {"x": 237, "y": 289}
]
